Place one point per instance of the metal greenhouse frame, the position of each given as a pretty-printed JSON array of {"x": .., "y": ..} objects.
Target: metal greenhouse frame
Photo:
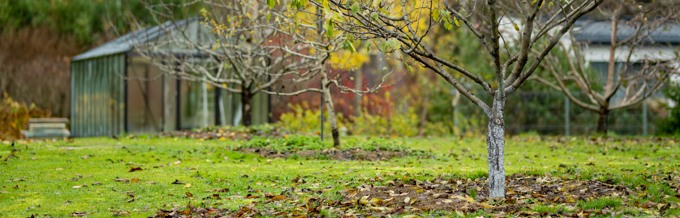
[{"x": 116, "y": 90}]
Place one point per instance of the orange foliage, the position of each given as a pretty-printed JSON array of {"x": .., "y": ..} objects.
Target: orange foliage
[{"x": 14, "y": 117}]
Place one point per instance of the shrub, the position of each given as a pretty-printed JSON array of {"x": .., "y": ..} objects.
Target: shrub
[
  {"x": 14, "y": 117},
  {"x": 306, "y": 120},
  {"x": 671, "y": 125},
  {"x": 395, "y": 124},
  {"x": 302, "y": 119}
]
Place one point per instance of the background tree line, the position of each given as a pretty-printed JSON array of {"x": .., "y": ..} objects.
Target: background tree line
[{"x": 40, "y": 37}]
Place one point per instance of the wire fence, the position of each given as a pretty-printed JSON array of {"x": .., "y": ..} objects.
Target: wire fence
[{"x": 551, "y": 113}]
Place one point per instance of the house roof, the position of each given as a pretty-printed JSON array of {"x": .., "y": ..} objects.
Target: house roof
[
  {"x": 599, "y": 31},
  {"x": 128, "y": 41}
]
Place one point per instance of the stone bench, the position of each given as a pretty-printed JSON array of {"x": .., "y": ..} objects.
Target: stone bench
[{"x": 47, "y": 128}]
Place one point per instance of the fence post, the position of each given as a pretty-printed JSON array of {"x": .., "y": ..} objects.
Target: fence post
[
  {"x": 566, "y": 116},
  {"x": 644, "y": 118}
]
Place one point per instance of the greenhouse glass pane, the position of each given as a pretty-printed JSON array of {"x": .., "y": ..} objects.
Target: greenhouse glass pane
[
  {"x": 197, "y": 105},
  {"x": 144, "y": 98}
]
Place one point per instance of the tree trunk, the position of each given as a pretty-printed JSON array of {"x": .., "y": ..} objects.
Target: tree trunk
[
  {"x": 246, "y": 106},
  {"x": 496, "y": 142},
  {"x": 423, "y": 114},
  {"x": 328, "y": 100},
  {"x": 358, "y": 83},
  {"x": 602, "y": 121}
]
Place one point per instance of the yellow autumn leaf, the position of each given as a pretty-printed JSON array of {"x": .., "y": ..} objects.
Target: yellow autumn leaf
[
  {"x": 363, "y": 200},
  {"x": 346, "y": 60}
]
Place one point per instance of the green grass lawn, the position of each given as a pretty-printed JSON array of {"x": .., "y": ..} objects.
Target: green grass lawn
[{"x": 92, "y": 175}]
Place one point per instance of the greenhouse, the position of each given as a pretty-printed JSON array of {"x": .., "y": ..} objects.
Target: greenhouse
[{"x": 116, "y": 89}]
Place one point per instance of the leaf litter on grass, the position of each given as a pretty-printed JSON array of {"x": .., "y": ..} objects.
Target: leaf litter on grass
[
  {"x": 263, "y": 138},
  {"x": 333, "y": 154},
  {"x": 228, "y": 133},
  {"x": 461, "y": 196}
]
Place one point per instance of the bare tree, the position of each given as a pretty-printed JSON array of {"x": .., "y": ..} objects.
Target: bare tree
[
  {"x": 405, "y": 26},
  {"x": 635, "y": 70},
  {"x": 245, "y": 49},
  {"x": 251, "y": 47}
]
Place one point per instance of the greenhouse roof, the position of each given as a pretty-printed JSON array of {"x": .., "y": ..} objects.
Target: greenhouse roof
[
  {"x": 600, "y": 32},
  {"x": 127, "y": 42}
]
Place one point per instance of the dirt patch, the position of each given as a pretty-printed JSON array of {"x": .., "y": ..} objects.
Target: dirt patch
[
  {"x": 225, "y": 133},
  {"x": 330, "y": 154},
  {"x": 209, "y": 135}
]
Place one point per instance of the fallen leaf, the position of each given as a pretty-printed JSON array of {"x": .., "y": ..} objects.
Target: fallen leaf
[
  {"x": 466, "y": 198},
  {"x": 363, "y": 200},
  {"x": 440, "y": 195},
  {"x": 79, "y": 214},
  {"x": 177, "y": 182},
  {"x": 59, "y": 169},
  {"x": 132, "y": 169},
  {"x": 220, "y": 190},
  {"x": 187, "y": 185},
  {"x": 77, "y": 186},
  {"x": 278, "y": 198},
  {"x": 486, "y": 206},
  {"x": 296, "y": 179},
  {"x": 376, "y": 201},
  {"x": 381, "y": 209},
  {"x": 134, "y": 180},
  {"x": 120, "y": 213},
  {"x": 122, "y": 180},
  {"x": 351, "y": 193}
]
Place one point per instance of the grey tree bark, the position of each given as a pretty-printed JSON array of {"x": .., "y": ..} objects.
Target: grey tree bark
[
  {"x": 495, "y": 141},
  {"x": 332, "y": 118}
]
